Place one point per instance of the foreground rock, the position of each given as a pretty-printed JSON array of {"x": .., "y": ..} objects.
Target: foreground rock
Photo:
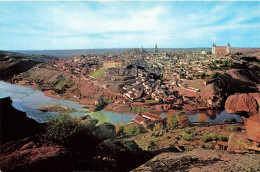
[
  {"x": 27, "y": 155},
  {"x": 15, "y": 124},
  {"x": 247, "y": 105},
  {"x": 119, "y": 155},
  {"x": 202, "y": 160}
]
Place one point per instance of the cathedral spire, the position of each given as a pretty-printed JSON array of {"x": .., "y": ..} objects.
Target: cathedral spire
[{"x": 155, "y": 49}]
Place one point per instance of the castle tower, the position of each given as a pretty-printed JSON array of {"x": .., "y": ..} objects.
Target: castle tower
[
  {"x": 213, "y": 49},
  {"x": 228, "y": 49}
]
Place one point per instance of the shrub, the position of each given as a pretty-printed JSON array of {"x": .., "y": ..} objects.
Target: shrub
[
  {"x": 225, "y": 121},
  {"x": 120, "y": 129},
  {"x": 206, "y": 138},
  {"x": 222, "y": 137},
  {"x": 151, "y": 144},
  {"x": 214, "y": 136},
  {"x": 187, "y": 130},
  {"x": 233, "y": 120},
  {"x": 234, "y": 128},
  {"x": 202, "y": 118},
  {"x": 171, "y": 120},
  {"x": 182, "y": 119},
  {"x": 131, "y": 130},
  {"x": 134, "y": 129},
  {"x": 209, "y": 145},
  {"x": 61, "y": 129},
  {"x": 158, "y": 126},
  {"x": 186, "y": 136},
  {"x": 141, "y": 129}
]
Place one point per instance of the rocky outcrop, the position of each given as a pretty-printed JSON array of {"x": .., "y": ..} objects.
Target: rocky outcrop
[
  {"x": 119, "y": 155},
  {"x": 238, "y": 142},
  {"x": 27, "y": 155},
  {"x": 54, "y": 108},
  {"x": 203, "y": 161},
  {"x": 15, "y": 124},
  {"x": 88, "y": 122},
  {"x": 65, "y": 85},
  {"x": 105, "y": 131},
  {"x": 247, "y": 105}
]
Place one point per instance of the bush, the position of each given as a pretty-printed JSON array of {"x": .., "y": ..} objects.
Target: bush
[
  {"x": 209, "y": 145},
  {"x": 225, "y": 121},
  {"x": 182, "y": 119},
  {"x": 172, "y": 120},
  {"x": 134, "y": 129},
  {"x": 120, "y": 129},
  {"x": 222, "y": 137},
  {"x": 131, "y": 130},
  {"x": 214, "y": 136},
  {"x": 186, "y": 136},
  {"x": 151, "y": 144},
  {"x": 61, "y": 129},
  {"x": 234, "y": 128},
  {"x": 206, "y": 138},
  {"x": 202, "y": 118},
  {"x": 158, "y": 126},
  {"x": 233, "y": 120}
]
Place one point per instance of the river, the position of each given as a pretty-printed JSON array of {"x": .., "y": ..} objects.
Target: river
[{"x": 28, "y": 100}]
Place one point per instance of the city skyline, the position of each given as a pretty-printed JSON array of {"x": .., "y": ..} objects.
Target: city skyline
[{"x": 97, "y": 25}]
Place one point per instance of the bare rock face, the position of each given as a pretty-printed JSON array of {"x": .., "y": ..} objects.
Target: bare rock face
[
  {"x": 247, "y": 105},
  {"x": 241, "y": 103},
  {"x": 238, "y": 142},
  {"x": 26, "y": 155}
]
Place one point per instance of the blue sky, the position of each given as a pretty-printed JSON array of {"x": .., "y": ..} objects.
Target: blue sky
[{"x": 86, "y": 25}]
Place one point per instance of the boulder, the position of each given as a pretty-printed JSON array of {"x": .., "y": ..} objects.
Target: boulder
[
  {"x": 88, "y": 122},
  {"x": 119, "y": 155},
  {"x": 246, "y": 105},
  {"x": 238, "y": 142},
  {"x": 32, "y": 157},
  {"x": 243, "y": 103},
  {"x": 105, "y": 131}
]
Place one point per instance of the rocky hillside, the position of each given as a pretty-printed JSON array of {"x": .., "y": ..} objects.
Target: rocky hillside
[
  {"x": 236, "y": 81},
  {"x": 12, "y": 63},
  {"x": 65, "y": 85}
]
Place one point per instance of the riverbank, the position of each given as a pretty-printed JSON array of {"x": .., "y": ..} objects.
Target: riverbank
[{"x": 29, "y": 99}]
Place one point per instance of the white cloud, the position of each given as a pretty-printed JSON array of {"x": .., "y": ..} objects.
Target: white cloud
[{"x": 113, "y": 24}]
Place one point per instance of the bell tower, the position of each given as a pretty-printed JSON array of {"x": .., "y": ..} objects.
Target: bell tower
[
  {"x": 213, "y": 49},
  {"x": 228, "y": 49}
]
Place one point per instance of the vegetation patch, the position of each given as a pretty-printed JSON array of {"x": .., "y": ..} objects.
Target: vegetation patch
[
  {"x": 214, "y": 137},
  {"x": 150, "y": 101},
  {"x": 98, "y": 73},
  {"x": 138, "y": 109}
]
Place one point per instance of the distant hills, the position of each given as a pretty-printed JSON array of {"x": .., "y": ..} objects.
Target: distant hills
[
  {"x": 12, "y": 63},
  {"x": 30, "y": 56},
  {"x": 48, "y": 54}
]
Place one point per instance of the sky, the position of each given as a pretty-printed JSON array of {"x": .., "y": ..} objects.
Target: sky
[{"x": 45, "y": 25}]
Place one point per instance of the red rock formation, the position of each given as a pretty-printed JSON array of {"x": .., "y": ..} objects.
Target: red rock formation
[{"x": 247, "y": 105}]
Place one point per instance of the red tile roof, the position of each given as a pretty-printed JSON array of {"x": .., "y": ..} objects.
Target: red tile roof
[
  {"x": 138, "y": 119},
  {"x": 152, "y": 116}
]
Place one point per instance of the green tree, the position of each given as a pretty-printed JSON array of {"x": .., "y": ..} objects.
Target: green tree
[
  {"x": 172, "y": 120},
  {"x": 61, "y": 129}
]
